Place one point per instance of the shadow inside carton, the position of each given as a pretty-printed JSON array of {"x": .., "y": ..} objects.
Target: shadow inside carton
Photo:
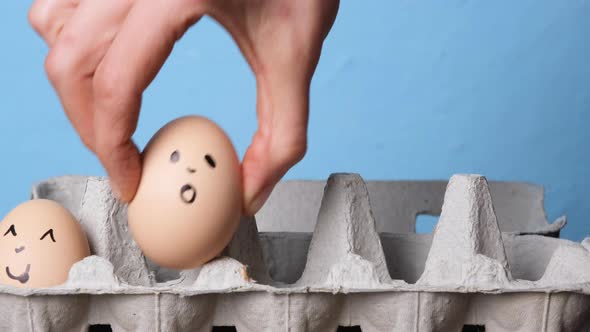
[
  {"x": 285, "y": 254},
  {"x": 529, "y": 255},
  {"x": 160, "y": 273},
  {"x": 405, "y": 255}
]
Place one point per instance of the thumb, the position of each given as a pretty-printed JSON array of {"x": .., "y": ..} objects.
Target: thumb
[{"x": 280, "y": 141}]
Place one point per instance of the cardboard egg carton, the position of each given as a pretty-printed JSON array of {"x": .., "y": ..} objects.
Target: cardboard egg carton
[{"x": 363, "y": 265}]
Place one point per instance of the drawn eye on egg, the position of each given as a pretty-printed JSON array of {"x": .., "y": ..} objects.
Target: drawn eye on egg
[
  {"x": 174, "y": 156},
  {"x": 50, "y": 233},
  {"x": 210, "y": 161},
  {"x": 11, "y": 230}
]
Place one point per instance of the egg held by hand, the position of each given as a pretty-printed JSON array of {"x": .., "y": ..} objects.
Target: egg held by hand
[
  {"x": 40, "y": 241},
  {"x": 189, "y": 200}
]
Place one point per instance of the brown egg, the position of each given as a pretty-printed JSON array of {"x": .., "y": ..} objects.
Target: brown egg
[
  {"x": 40, "y": 241},
  {"x": 189, "y": 200}
]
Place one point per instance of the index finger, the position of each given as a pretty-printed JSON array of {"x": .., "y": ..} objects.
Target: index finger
[{"x": 134, "y": 58}]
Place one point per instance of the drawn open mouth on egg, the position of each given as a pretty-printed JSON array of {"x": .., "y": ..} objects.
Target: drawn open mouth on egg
[
  {"x": 22, "y": 278},
  {"x": 188, "y": 193}
]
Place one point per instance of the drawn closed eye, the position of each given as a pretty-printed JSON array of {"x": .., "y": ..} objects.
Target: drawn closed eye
[
  {"x": 210, "y": 161},
  {"x": 50, "y": 233},
  {"x": 11, "y": 230}
]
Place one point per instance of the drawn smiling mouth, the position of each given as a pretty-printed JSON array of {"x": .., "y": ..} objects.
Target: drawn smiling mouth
[
  {"x": 22, "y": 278},
  {"x": 188, "y": 193}
]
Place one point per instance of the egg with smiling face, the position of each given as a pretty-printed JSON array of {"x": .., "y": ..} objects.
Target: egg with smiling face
[
  {"x": 189, "y": 200},
  {"x": 39, "y": 242}
]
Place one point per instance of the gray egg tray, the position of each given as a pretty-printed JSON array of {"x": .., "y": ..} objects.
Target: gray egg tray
[{"x": 341, "y": 253}]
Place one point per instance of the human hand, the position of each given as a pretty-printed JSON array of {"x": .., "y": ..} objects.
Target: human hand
[{"x": 104, "y": 54}]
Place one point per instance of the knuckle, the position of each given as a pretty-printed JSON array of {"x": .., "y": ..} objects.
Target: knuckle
[
  {"x": 54, "y": 66},
  {"x": 38, "y": 17},
  {"x": 298, "y": 152},
  {"x": 63, "y": 61},
  {"x": 291, "y": 153}
]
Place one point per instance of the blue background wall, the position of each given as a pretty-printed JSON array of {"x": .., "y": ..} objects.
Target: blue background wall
[{"x": 404, "y": 90}]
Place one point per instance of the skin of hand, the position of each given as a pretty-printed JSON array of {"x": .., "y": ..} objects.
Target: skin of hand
[{"x": 103, "y": 55}]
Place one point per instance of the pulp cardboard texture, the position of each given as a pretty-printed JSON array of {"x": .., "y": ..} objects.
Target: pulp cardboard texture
[{"x": 362, "y": 265}]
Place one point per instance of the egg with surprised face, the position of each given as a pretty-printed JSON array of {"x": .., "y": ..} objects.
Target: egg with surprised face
[
  {"x": 39, "y": 242},
  {"x": 189, "y": 200}
]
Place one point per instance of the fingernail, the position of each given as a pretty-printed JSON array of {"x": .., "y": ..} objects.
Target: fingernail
[{"x": 260, "y": 199}]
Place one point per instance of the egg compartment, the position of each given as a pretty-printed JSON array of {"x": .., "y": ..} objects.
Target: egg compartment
[{"x": 351, "y": 271}]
